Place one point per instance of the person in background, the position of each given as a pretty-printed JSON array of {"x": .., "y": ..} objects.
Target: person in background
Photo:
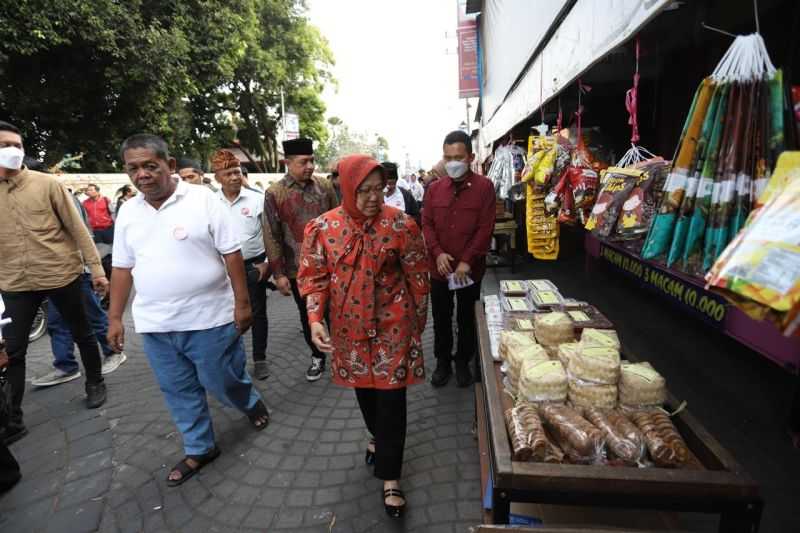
[
  {"x": 246, "y": 209},
  {"x": 289, "y": 205},
  {"x": 98, "y": 209},
  {"x": 458, "y": 222},
  {"x": 259, "y": 186},
  {"x": 396, "y": 197},
  {"x": 333, "y": 177},
  {"x": 46, "y": 221},
  {"x": 365, "y": 262},
  {"x": 191, "y": 305},
  {"x": 191, "y": 171},
  {"x": 124, "y": 194},
  {"x": 416, "y": 188},
  {"x": 245, "y": 182},
  {"x": 65, "y": 366}
]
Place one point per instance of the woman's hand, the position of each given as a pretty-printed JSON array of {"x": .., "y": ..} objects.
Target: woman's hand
[{"x": 320, "y": 337}]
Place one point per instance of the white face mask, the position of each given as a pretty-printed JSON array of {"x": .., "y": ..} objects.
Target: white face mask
[
  {"x": 456, "y": 169},
  {"x": 11, "y": 157}
]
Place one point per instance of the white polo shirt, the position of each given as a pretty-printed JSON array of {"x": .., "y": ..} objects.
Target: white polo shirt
[
  {"x": 395, "y": 199},
  {"x": 245, "y": 212},
  {"x": 175, "y": 256}
]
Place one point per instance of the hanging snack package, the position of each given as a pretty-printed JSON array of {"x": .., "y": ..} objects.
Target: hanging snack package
[
  {"x": 665, "y": 444},
  {"x": 641, "y": 386},
  {"x": 762, "y": 264},
  {"x": 576, "y": 436},
  {"x": 639, "y": 207},
  {"x": 617, "y": 184},
  {"x": 542, "y": 381}
]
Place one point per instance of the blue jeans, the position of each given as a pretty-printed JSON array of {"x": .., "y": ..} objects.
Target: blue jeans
[
  {"x": 187, "y": 364},
  {"x": 61, "y": 340}
]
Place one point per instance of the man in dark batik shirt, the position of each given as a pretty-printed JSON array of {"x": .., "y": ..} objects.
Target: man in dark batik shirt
[{"x": 289, "y": 205}]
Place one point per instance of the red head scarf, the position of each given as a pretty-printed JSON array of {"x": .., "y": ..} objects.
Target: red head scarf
[{"x": 353, "y": 170}]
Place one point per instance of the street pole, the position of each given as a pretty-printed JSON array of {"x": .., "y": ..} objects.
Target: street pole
[
  {"x": 469, "y": 128},
  {"x": 283, "y": 115}
]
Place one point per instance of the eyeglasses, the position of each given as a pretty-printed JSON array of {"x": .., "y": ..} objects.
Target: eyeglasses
[{"x": 369, "y": 191}]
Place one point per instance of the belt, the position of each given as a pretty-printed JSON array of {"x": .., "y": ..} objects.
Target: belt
[{"x": 257, "y": 259}]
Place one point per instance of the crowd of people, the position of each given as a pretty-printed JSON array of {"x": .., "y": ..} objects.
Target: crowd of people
[{"x": 360, "y": 253}]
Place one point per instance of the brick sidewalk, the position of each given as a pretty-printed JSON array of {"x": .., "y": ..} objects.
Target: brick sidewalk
[{"x": 105, "y": 469}]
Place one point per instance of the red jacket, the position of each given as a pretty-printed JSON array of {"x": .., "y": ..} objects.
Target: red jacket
[
  {"x": 458, "y": 219},
  {"x": 99, "y": 212}
]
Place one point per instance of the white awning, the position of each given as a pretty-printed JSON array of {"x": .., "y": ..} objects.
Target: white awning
[{"x": 590, "y": 30}]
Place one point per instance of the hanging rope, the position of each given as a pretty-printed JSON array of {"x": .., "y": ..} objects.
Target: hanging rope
[
  {"x": 560, "y": 117},
  {"x": 632, "y": 101},
  {"x": 541, "y": 86}
]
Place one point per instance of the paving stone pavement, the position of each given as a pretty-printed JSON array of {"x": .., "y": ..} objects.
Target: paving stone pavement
[{"x": 104, "y": 470}]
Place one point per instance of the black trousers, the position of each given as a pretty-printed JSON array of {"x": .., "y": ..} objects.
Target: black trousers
[
  {"x": 442, "y": 305},
  {"x": 301, "y": 307},
  {"x": 384, "y": 413},
  {"x": 9, "y": 468},
  {"x": 21, "y": 308},
  {"x": 258, "y": 304}
]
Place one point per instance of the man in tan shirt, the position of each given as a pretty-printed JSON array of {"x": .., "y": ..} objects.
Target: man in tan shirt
[{"x": 43, "y": 246}]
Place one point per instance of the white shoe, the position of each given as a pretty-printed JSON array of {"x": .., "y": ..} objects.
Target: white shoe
[
  {"x": 56, "y": 377},
  {"x": 113, "y": 361}
]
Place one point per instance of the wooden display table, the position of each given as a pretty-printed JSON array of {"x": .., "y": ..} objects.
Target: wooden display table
[{"x": 713, "y": 482}]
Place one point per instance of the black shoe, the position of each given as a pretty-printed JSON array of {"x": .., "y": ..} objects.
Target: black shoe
[
  {"x": 369, "y": 457},
  {"x": 394, "y": 511},
  {"x": 260, "y": 370},
  {"x": 95, "y": 394},
  {"x": 13, "y": 433},
  {"x": 463, "y": 376},
  {"x": 316, "y": 369},
  {"x": 441, "y": 375}
]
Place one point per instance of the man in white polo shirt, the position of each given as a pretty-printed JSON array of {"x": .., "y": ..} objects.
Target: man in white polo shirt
[
  {"x": 246, "y": 208},
  {"x": 177, "y": 244}
]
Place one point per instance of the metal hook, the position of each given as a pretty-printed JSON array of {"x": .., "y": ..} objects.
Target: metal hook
[{"x": 712, "y": 28}]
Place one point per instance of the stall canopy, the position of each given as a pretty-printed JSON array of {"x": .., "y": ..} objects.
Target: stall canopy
[{"x": 533, "y": 50}]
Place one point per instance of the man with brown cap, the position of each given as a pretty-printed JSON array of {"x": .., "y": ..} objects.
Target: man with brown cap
[
  {"x": 246, "y": 209},
  {"x": 289, "y": 205}
]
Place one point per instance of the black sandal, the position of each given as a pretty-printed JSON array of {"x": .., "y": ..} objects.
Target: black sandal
[
  {"x": 394, "y": 511},
  {"x": 187, "y": 471},
  {"x": 369, "y": 457},
  {"x": 259, "y": 411}
]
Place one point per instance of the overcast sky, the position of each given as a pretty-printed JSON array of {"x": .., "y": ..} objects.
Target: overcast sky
[{"x": 397, "y": 71}]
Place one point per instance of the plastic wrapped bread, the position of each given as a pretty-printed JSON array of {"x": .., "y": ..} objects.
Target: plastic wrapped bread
[
  {"x": 641, "y": 386},
  {"x": 554, "y": 328},
  {"x": 584, "y": 394},
  {"x": 516, "y": 356},
  {"x": 600, "y": 337},
  {"x": 567, "y": 351},
  {"x": 624, "y": 440},
  {"x": 542, "y": 381},
  {"x": 665, "y": 444},
  {"x": 529, "y": 441},
  {"x": 511, "y": 341},
  {"x": 576, "y": 436},
  {"x": 596, "y": 364}
]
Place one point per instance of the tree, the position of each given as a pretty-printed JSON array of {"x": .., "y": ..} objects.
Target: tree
[
  {"x": 343, "y": 141},
  {"x": 79, "y": 76}
]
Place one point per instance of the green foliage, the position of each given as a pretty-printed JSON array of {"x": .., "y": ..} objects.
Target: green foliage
[
  {"x": 343, "y": 141},
  {"x": 79, "y": 76}
]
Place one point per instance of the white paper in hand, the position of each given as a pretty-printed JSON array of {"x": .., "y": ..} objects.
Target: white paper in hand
[{"x": 453, "y": 284}]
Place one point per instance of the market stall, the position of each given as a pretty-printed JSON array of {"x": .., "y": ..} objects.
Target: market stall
[{"x": 566, "y": 415}]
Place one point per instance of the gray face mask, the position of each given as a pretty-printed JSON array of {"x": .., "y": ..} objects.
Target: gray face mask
[
  {"x": 456, "y": 169},
  {"x": 11, "y": 157}
]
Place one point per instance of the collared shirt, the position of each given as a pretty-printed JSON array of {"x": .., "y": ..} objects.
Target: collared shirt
[
  {"x": 43, "y": 240},
  {"x": 175, "y": 256},
  {"x": 288, "y": 207},
  {"x": 458, "y": 219},
  {"x": 396, "y": 200},
  {"x": 246, "y": 211}
]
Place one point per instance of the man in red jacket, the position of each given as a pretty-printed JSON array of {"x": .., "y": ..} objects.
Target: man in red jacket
[
  {"x": 458, "y": 222},
  {"x": 98, "y": 208}
]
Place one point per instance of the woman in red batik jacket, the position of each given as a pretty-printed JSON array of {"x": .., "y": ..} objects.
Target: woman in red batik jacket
[{"x": 366, "y": 262}]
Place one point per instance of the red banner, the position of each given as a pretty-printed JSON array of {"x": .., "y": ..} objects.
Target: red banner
[{"x": 467, "y": 54}]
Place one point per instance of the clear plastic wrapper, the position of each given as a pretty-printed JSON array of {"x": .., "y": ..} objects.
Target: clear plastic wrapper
[
  {"x": 529, "y": 441},
  {"x": 586, "y": 316},
  {"x": 623, "y": 439},
  {"x": 577, "y": 437},
  {"x": 584, "y": 394},
  {"x": 665, "y": 444},
  {"x": 596, "y": 364},
  {"x": 516, "y": 348},
  {"x": 513, "y": 287},
  {"x": 541, "y": 285},
  {"x": 600, "y": 337},
  {"x": 567, "y": 351},
  {"x": 519, "y": 322},
  {"x": 554, "y": 328},
  {"x": 517, "y": 304},
  {"x": 641, "y": 386},
  {"x": 542, "y": 381},
  {"x": 546, "y": 299}
]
